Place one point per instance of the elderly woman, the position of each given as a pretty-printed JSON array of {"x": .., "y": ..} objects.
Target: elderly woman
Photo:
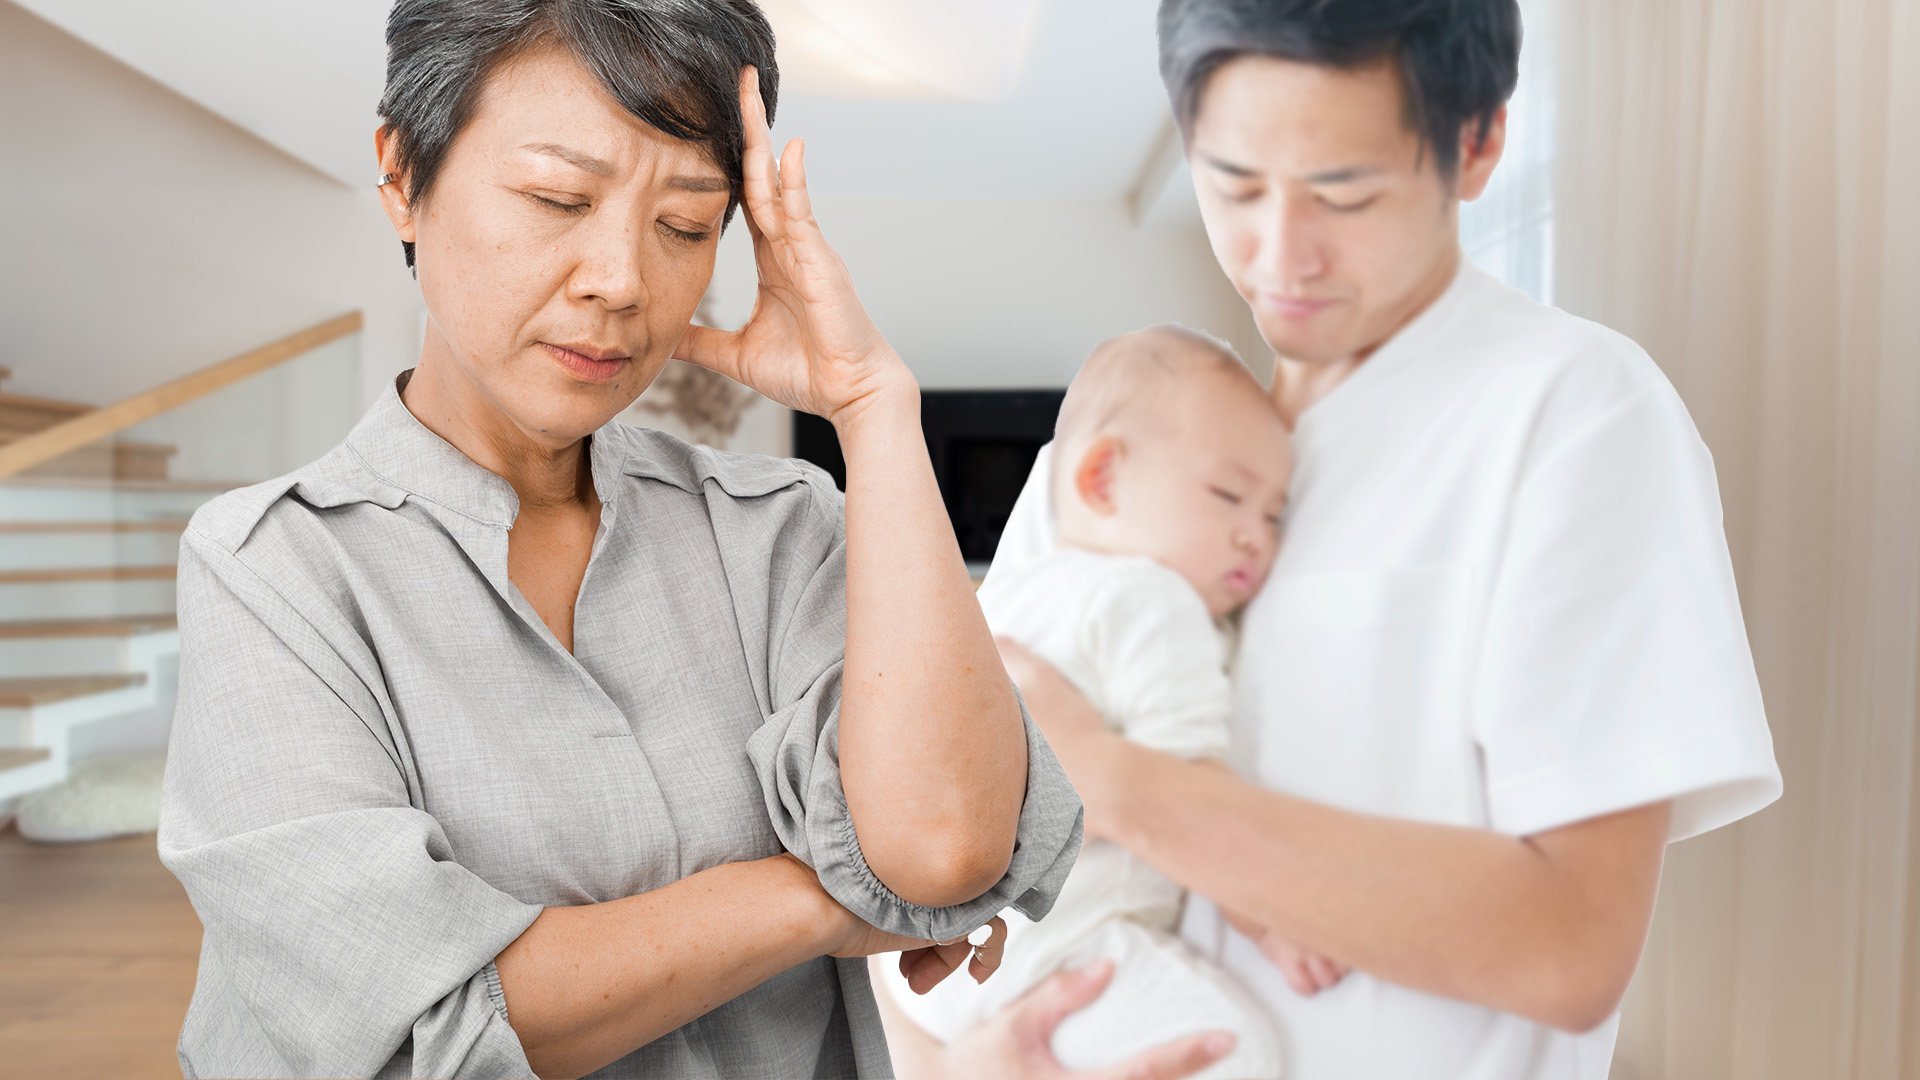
[{"x": 511, "y": 739}]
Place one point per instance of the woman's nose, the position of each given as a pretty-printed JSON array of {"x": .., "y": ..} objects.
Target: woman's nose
[{"x": 611, "y": 271}]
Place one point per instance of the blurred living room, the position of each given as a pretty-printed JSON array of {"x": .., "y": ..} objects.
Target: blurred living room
[{"x": 203, "y": 291}]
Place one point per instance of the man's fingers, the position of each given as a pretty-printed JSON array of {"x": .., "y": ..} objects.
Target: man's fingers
[
  {"x": 1170, "y": 1060},
  {"x": 1064, "y": 992},
  {"x": 987, "y": 955}
]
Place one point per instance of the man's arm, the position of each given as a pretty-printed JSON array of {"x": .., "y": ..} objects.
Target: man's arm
[{"x": 1549, "y": 927}]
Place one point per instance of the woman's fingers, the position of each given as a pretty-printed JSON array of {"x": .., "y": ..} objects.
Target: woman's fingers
[
  {"x": 987, "y": 954},
  {"x": 795, "y": 203},
  {"x": 760, "y": 183},
  {"x": 716, "y": 350},
  {"x": 926, "y": 967}
]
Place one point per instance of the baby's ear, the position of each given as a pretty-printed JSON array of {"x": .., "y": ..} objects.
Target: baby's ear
[{"x": 1093, "y": 477}]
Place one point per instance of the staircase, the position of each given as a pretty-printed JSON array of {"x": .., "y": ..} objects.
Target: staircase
[
  {"x": 90, "y": 526},
  {"x": 88, "y": 547}
]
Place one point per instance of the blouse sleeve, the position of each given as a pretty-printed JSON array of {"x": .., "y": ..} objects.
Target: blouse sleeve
[
  {"x": 341, "y": 937},
  {"x": 795, "y": 751}
]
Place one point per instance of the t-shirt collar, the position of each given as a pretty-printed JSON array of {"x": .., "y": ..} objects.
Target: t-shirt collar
[
  {"x": 404, "y": 452},
  {"x": 1410, "y": 342}
]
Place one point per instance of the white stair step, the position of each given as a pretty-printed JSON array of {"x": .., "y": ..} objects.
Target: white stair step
[
  {"x": 85, "y": 599},
  {"x": 83, "y": 646},
  {"x": 26, "y": 502},
  {"x": 23, "y": 550}
]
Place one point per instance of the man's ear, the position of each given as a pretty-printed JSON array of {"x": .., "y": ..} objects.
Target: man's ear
[
  {"x": 1479, "y": 154},
  {"x": 1093, "y": 477},
  {"x": 393, "y": 197}
]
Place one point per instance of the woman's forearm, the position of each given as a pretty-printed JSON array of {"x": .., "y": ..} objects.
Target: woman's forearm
[
  {"x": 588, "y": 985},
  {"x": 933, "y": 754}
]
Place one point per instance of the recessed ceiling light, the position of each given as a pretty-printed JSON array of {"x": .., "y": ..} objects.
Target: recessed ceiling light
[{"x": 889, "y": 49}]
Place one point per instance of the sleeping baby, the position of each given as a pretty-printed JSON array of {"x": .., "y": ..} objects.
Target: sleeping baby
[{"x": 1170, "y": 471}]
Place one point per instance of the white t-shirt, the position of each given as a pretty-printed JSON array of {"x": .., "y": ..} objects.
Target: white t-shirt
[{"x": 1504, "y": 601}]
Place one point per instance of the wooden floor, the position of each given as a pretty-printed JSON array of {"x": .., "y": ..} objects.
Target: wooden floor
[{"x": 98, "y": 947}]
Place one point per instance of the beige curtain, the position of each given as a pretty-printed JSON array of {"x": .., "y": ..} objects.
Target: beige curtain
[{"x": 1736, "y": 189}]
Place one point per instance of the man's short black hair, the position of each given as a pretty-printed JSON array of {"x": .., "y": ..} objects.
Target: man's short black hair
[
  {"x": 1458, "y": 59},
  {"x": 674, "y": 64}
]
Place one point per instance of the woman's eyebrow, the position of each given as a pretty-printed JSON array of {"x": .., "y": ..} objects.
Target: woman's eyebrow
[{"x": 599, "y": 167}]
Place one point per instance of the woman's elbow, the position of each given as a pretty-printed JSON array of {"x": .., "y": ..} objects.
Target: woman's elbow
[{"x": 944, "y": 871}]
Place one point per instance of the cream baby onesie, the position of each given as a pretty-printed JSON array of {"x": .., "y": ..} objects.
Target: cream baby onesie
[{"x": 1138, "y": 641}]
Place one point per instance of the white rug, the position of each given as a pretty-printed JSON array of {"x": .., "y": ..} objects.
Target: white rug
[{"x": 106, "y": 795}]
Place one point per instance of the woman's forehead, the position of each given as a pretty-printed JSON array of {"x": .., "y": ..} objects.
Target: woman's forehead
[{"x": 544, "y": 107}]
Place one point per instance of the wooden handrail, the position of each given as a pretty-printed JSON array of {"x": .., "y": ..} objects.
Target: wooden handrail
[{"x": 101, "y": 423}]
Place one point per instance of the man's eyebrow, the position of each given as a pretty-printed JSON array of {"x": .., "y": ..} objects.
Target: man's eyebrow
[
  {"x": 1340, "y": 175},
  {"x": 1343, "y": 175},
  {"x": 598, "y": 167}
]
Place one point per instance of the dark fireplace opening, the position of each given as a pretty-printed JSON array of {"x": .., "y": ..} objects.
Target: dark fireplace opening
[{"x": 983, "y": 444}]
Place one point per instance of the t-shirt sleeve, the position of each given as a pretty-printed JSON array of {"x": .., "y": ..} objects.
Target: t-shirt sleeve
[
  {"x": 795, "y": 751},
  {"x": 333, "y": 908},
  {"x": 1030, "y": 532},
  {"x": 1160, "y": 663},
  {"x": 1614, "y": 669}
]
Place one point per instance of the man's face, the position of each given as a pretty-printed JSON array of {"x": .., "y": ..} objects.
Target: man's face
[{"x": 1323, "y": 209}]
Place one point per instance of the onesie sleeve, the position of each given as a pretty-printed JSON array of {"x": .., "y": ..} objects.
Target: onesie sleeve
[
  {"x": 334, "y": 910},
  {"x": 1160, "y": 661},
  {"x": 793, "y": 613}
]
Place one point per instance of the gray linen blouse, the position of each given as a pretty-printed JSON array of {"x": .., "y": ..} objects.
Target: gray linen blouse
[{"x": 383, "y": 764}]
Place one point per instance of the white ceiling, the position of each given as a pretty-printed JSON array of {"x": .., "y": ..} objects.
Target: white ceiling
[{"x": 1085, "y": 117}]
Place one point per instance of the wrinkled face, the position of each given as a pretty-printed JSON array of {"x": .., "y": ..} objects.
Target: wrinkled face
[
  {"x": 1205, "y": 496},
  {"x": 1323, "y": 211},
  {"x": 562, "y": 225}
]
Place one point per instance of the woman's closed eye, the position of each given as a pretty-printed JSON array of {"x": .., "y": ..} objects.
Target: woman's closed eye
[{"x": 690, "y": 235}]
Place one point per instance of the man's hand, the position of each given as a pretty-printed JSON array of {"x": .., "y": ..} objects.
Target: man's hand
[
  {"x": 1017, "y": 1042},
  {"x": 1306, "y": 972}
]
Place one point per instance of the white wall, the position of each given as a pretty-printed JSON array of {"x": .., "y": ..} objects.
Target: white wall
[{"x": 142, "y": 237}]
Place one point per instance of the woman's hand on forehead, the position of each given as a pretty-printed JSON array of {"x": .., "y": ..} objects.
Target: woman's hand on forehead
[{"x": 809, "y": 344}]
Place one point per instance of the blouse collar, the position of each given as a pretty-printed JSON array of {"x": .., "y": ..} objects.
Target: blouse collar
[{"x": 404, "y": 452}]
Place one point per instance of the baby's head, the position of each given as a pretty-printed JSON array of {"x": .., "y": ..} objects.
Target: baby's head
[{"x": 1168, "y": 447}]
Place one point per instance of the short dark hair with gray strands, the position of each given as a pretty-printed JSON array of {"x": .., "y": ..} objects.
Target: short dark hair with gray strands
[
  {"x": 1458, "y": 60},
  {"x": 674, "y": 64}
]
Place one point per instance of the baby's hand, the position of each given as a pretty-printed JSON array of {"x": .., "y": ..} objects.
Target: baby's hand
[{"x": 1308, "y": 973}]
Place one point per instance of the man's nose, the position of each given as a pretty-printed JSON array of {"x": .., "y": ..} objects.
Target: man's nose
[{"x": 1291, "y": 248}]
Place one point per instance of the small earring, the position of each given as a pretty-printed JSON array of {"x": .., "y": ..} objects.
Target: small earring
[{"x": 385, "y": 179}]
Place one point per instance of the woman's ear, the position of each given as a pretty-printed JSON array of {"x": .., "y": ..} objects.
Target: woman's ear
[
  {"x": 1093, "y": 477},
  {"x": 393, "y": 195}
]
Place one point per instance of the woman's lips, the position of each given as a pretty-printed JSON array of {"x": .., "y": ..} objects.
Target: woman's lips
[{"x": 586, "y": 368}]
